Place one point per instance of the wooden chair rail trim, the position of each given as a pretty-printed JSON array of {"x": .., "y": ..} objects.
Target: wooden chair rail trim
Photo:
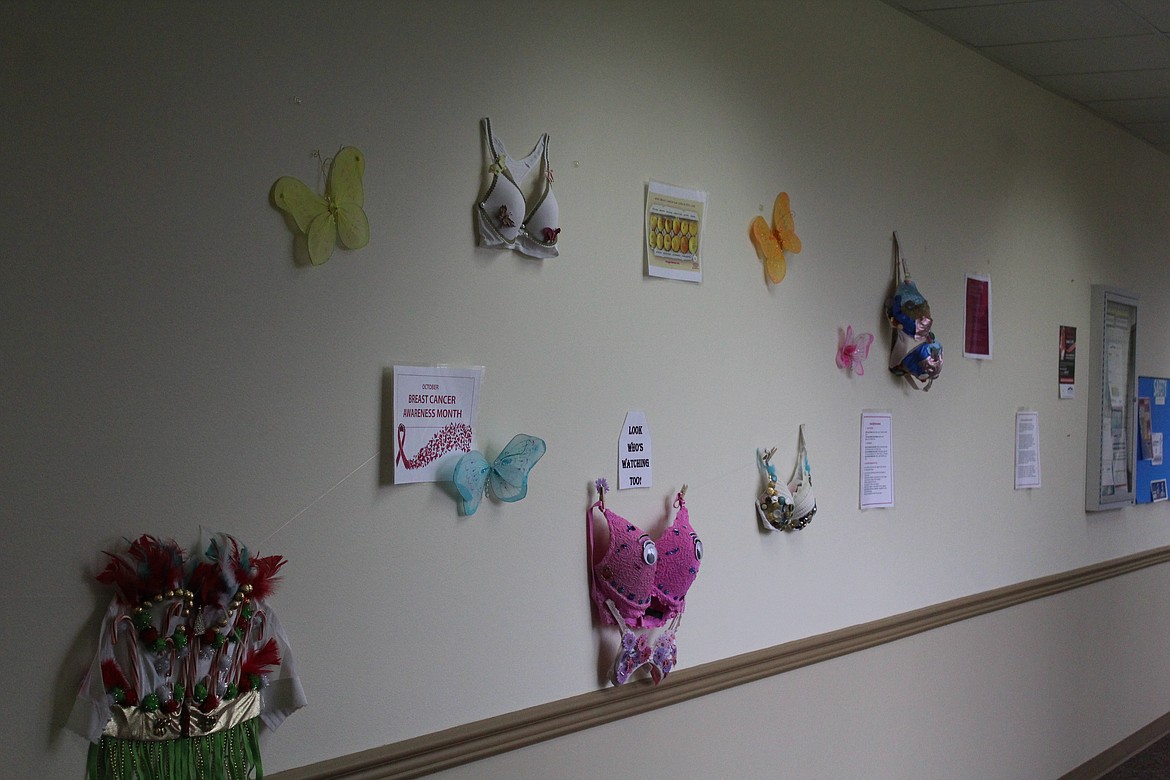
[{"x": 478, "y": 740}]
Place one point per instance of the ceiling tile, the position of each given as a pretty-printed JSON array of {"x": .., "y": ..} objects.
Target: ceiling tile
[
  {"x": 1132, "y": 52},
  {"x": 1044, "y": 20},
  {"x": 1111, "y": 56},
  {"x": 1114, "y": 85},
  {"x": 1156, "y": 12},
  {"x": 1130, "y": 111},
  {"x": 1154, "y": 132},
  {"x": 928, "y": 5}
]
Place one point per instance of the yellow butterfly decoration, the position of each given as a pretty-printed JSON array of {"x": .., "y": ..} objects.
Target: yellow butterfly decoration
[
  {"x": 773, "y": 243},
  {"x": 338, "y": 215}
]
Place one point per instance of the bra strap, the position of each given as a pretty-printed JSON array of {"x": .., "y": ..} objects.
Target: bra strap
[
  {"x": 901, "y": 271},
  {"x": 486, "y": 124},
  {"x": 589, "y": 521},
  {"x": 497, "y": 163},
  {"x": 802, "y": 466},
  {"x": 617, "y": 616},
  {"x": 548, "y": 171}
]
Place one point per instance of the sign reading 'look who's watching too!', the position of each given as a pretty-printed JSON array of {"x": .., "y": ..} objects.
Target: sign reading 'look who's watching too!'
[{"x": 634, "y": 469}]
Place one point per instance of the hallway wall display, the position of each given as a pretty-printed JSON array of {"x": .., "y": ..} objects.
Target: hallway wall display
[{"x": 167, "y": 367}]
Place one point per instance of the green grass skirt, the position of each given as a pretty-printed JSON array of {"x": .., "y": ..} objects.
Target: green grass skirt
[{"x": 230, "y": 754}]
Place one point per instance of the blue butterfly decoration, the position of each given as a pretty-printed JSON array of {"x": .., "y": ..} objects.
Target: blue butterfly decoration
[{"x": 507, "y": 474}]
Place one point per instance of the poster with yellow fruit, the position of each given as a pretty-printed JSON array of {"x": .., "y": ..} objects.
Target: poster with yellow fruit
[{"x": 674, "y": 220}]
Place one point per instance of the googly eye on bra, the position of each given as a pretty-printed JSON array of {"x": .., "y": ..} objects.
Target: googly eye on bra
[
  {"x": 786, "y": 507},
  {"x": 506, "y": 217}
]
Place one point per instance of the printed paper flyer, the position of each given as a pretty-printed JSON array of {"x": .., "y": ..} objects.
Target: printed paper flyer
[
  {"x": 977, "y": 327},
  {"x": 434, "y": 420},
  {"x": 1027, "y": 450},
  {"x": 674, "y": 223},
  {"x": 1067, "y": 361},
  {"x": 877, "y": 460},
  {"x": 635, "y": 461}
]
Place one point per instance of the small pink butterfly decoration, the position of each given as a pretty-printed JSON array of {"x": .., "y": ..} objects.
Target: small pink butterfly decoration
[{"x": 853, "y": 350}]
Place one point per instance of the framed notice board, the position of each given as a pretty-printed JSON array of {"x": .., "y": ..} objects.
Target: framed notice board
[
  {"x": 1110, "y": 480},
  {"x": 1153, "y": 432}
]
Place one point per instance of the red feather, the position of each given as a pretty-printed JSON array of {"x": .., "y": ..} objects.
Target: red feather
[
  {"x": 163, "y": 561},
  {"x": 123, "y": 577},
  {"x": 206, "y": 582},
  {"x": 149, "y": 566},
  {"x": 112, "y": 676},
  {"x": 263, "y": 577},
  {"x": 259, "y": 661}
]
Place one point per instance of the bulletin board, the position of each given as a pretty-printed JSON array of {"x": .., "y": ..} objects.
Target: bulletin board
[{"x": 1150, "y": 469}]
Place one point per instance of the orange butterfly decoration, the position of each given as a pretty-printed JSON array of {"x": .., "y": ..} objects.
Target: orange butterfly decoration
[{"x": 773, "y": 243}]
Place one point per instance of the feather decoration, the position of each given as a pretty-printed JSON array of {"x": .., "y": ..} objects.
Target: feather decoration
[
  {"x": 112, "y": 676},
  {"x": 258, "y": 664},
  {"x": 162, "y": 561},
  {"x": 261, "y": 575},
  {"x": 259, "y": 661},
  {"x": 206, "y": 582},
  {"x": 123, "y": 577},
  {"x": 149, "y": 567},
  {"x": 113, "y": 680}
]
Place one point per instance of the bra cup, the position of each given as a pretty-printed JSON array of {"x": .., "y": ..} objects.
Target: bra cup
[
  {"x": 623, "y": 575},
  {"x": 775, "y": 508},
  {"x": 804, "y": 503},
  {"x": 547, "y": 215},
  {"x": 904, "y": 344},
  {"x": 678, "y": 566},
  {"x": 504, "y": 194},
  {"x": 532, "y": 241}
]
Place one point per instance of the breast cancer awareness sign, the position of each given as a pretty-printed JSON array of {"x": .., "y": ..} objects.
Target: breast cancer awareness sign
[{"x": 434, "y": 420}]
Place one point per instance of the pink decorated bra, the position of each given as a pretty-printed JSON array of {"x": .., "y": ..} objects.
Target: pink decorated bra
[{"x": 640, "y": 583}]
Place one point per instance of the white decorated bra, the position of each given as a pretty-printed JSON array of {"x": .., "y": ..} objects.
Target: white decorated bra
[
  {"x": 786, "y": 506},
  {"x": 508, "y": 219}
]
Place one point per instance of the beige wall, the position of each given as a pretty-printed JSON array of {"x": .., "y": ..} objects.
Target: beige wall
[{"x": 167, "y": 365}]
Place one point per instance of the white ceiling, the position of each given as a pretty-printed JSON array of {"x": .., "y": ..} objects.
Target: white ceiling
[{"x": 1111, "y": 56}]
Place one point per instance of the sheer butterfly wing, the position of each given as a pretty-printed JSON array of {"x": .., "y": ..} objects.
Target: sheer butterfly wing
[
  {"x": 861, "y": 345},
  {"x": 509, "y": 472},
  {"x": 854, "y": 350},
  {"x": 864, "y": 341},
  {"x": 784, "y": 224},
  {"x": 293, "y": 196},
  {"x": 322, "y": 237},
  {"x": 470, "y": 477},
  {"x": 345, "y": 176},
  {"x": 312, "y": 214},
  {"x": 770, "y": 250},
  {"x": 345, "y": 188},
  {"x": 353, "y": 228}
]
